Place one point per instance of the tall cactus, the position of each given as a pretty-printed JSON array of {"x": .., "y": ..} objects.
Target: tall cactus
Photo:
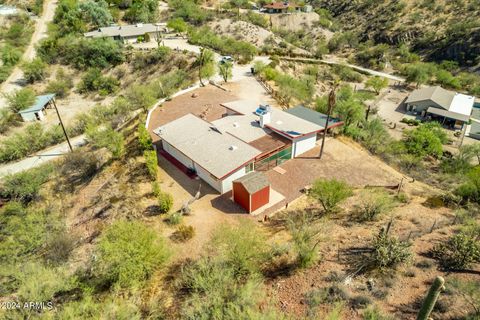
[{"x": 431, "y": 298}]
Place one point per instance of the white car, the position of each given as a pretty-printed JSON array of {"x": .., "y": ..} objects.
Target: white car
[{"x": 226, "y": 59}]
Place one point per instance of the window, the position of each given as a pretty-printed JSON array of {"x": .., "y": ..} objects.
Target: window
[{"x": 249, "y": 167}]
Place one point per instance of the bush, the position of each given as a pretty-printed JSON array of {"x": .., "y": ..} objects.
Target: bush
[
  {"x": 144, "y": 138},
  {"x": 7, "y": 120},
  {"x": 165, "y": 202},
  {"x": 107, "y": 138},
  {"x": 373, "y": 313},
  {"x": 10, "y": 55},
  {"x": 128, "y": 253},
  {"x": 79, "y": 166},
  {"x": 174, "y": 218},
  {"x": 330, "y": 193},
  {"x": 58, "y": 248},
  {"x": 426, "y": 140},
  {"x": 184, "y": 233},
  {"x": 388, "y": 252},
  {"x": 25, "y": 186},
  {"x": 459, "y": 252},
  {"x": 21, "y": 99},
  {"x": 94, "y": 81},
  {"x": 360, "y": 302},
  {"x": 372, "y": 203},
  {"x": 61, "y": 85},
  {"x": 34, "y": 70},
  {"x": 305, "y": 235},
  {"x": 151, "y": 162}
]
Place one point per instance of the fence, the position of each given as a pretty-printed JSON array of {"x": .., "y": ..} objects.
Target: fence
[{"x": 274, "y": 160}]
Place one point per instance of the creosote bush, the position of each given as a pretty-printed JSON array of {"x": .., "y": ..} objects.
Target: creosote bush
[{"x": 128, "y": 252}]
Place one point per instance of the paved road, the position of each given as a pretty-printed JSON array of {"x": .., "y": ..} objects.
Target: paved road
[
  {"x": 15, "y": 79},
  {"x": 41, "y": 157}
]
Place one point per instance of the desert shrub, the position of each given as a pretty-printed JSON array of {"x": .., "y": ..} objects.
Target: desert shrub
[
  {"x": 156, "y": 188},
  {"x": 93, "y": 80},
  {"x": 190, "y": 11},
  {"x": 165, "y": 202},
  {"x": 305, "y": 236},
  {"x": 459, "y": 252},
  {"x": 315, "y": 298},
  {"x": 7, "y": 120},
  {"x": 330, "y": 193},
  {"x": 61, "y": 85},
  {"x": 373, "y": 313},
  {"x": 388, "y": 252},
  {"x": 174, "y": 218},
  {"x": 107, "y": 138},
  {"x": 469, "y": 291},
  {"x": 402, "y": 197},
  {"x": 376, "y": 83},
  {"x": 151, "y": 162},
  {"x": 34, "y": 70},
  {"x": 425, "y": 140},
  {"x": 20, "y": 99},
  {"x": 25, "y": 186},
  {"x": 346, "y": 73},
  {"x": 58, "y": 248},
  {"x": 142, "y": 96},
  {"x": 79, "y": 166},
  {"x": 10, "y": 55},
  {"x": 242, "y": 247},
  {"x": 184, "y": 233},
  {"x": 128, "y": 252},
  {"x": 144, "y": 138},
  {"x": 470, "y": 190},
  {"x": 113, "y": 307},
  {"x": 360, "y": 301},
  {"x": 372, "y": 203}
]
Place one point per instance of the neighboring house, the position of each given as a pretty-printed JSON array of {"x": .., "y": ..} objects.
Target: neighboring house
[
  {"x": 129, "y": 33},
  {"x": 242, "y": 141},
  {"x": 448, "y": 107},
  {"x": 314, "y": 116},
  {"x": 252, "y": 191},
  {"x": 282, "y": 7},
  {"x": 8, "y": 10},
  {"x": 38, "y": 110}
]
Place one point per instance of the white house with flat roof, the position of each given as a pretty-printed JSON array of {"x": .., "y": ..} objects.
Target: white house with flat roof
[
  {"x": 242, "y": 141},
  {"x": 217, "y": 157}
]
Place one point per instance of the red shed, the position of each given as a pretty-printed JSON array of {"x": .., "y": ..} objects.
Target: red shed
[{"x": 251, "y": 191}]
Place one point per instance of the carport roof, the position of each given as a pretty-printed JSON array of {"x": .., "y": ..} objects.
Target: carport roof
[
  {"x": 314, "y": 116},
  {"x": 39, "y": 104},
  {"x": 253, "y": 182},
  {"x": 448, "y": 114}
]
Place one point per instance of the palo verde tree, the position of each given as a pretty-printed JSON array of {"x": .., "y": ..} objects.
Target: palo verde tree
[
  {"x": 205, "y": 64},
  {"x": 377, "y": 84},
  {"x": 225, "y": 70},
  {"x": 330, "y": 193}
]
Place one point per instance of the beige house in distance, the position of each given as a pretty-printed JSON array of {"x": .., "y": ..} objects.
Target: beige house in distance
[{"x": 129, "y": 33}]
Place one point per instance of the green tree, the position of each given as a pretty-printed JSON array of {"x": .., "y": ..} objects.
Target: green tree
[
  {"x": 107, "y": 138},
  {"x": 225, "y": 70},
  {"x": 376, "y": 83},
  {"x": 177, "y": 25},
  {"x": 205, "y": 64},
  {"x": 419, "y": 73},
  {"x": 20, "y": 99},
  {"x": 128, "y": 252},
  {"x": 95, "y": 13},
  {"x": 330, "y": 193},
  {"x": 425, "y": 140},
  {"x": 34, "y": 70},
  {"x": 10, "y": 55}
]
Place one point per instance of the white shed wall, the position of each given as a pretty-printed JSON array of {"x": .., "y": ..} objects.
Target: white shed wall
[{"x": 304, "y": 144}]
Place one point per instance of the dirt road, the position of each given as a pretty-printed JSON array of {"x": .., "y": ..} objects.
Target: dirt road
[{"x": 15, "y": 80}]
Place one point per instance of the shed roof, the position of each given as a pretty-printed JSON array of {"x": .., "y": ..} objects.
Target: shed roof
[
  {"x": 281, "y": 122},
  {"x": 220, "y": 153},
  {"x": 253, "y": 182},
  {"x": 132, "y": 30},
  {"x": 313, "y": 116},
  {"x": 39, "y": 104}
]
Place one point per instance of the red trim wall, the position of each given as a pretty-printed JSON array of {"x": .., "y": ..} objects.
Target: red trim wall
[{"x": 260, "y": 198}]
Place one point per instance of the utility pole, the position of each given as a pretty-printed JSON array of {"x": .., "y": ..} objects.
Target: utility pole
[
  {"x": 331, "y": 105},
  {"x": 61, "y": 123}
]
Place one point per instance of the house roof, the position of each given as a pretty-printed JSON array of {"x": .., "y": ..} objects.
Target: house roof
[
  {"x": 448, "y": 114},
  {"x": 133, "y": 30},
  {"x": 39, "y": 104},
  {"x": 314, "y": 116},
  {"x": 454, "y": 102},
  {"x": 7, "y": 10},
  {"x": 281, "y": 122},
  {"x": 253, "y": 182},
  {"x": 244, "y": 127},
  {"x": 220, "y": 153},
  {"x": 280, "y": 5}
]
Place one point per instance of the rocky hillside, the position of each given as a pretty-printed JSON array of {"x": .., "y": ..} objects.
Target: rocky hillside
[{"x": 440, "y": 29}]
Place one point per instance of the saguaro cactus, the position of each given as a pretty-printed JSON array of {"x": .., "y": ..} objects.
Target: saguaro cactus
[{"x": 431, "y": 299}]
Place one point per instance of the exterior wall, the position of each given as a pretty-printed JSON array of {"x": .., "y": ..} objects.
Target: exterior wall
[
  {"x": 304, "y": 144},
  {"x": 259, "y": 198},
  {"x": 208, "y": 178},
  {"x": 227, "y": 182},
  {"x": 423, "y": 105},
  {"x": 241, "y": 196},
  {"x": 187, "y": 162},
  {"x": 41, "y": 115},
  {"x": 28, "y": 116}
]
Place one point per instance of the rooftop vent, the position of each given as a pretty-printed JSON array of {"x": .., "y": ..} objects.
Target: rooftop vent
[
  {"x": 233, "y": 148},
  {"x": 279, "y": 122},
  {"x": 236, "y": 125}
]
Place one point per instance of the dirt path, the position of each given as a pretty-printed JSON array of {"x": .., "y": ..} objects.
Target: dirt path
[{"x": 15, "y": 79}]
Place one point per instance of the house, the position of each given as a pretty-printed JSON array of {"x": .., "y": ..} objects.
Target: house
[
  {"x": 252, "y": 191},
  {"x": 313, "y": 116},
  {"x": 129, "y": 33},
  {"x": 448, "y": 107},
  {"x": 38, "y": 110},
  {"x": 282, "y": 7},
  {"x": 8, "y": 10},
  {"x": 242, "y": 141}
]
